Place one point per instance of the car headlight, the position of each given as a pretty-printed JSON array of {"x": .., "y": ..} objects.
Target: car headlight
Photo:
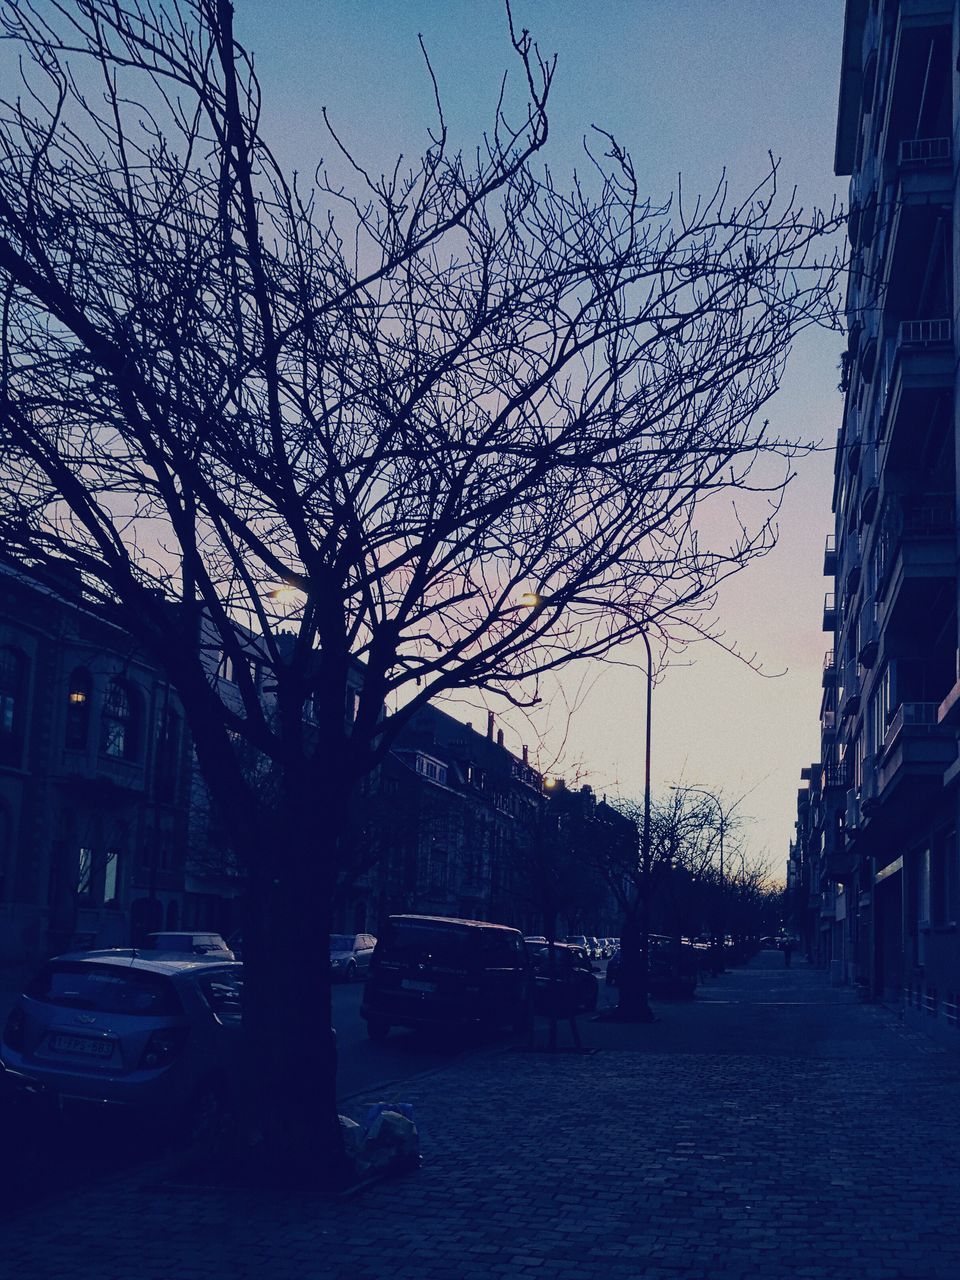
[{"x": 336, "y": 962}]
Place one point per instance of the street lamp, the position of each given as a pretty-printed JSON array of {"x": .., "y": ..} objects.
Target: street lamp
[
  {"x": 641, "y": 1011},
  {"x": 702, "y": 791}
]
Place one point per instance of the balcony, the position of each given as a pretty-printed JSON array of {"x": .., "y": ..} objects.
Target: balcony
[
  {"x": 916, "y": 749},
  {"x": 870, "y": 491},
  {"x": 853, "y": 455},
  {"x": 836, "y": 776},
  {"x": 829, "y": 611},
  {"x": 917, "y": 391},
  {"x": 829, "y": 677},
  {"x": 830, "y": 556},
  {"x": 920, "y": 55},
  {"x": 868, "y": 641},
  {"x": 916, "y": 549}
]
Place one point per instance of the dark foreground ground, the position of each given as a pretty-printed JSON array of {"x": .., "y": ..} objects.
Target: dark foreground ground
[{"x": 771, "y": 1128}]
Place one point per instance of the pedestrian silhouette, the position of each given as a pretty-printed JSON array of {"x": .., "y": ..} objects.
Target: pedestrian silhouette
[{"x": 787, "y": 951}]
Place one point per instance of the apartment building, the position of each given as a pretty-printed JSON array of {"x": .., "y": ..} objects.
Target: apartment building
[
  {"x": 94, "y": 780},
  {"x": 882, "y": 869}
]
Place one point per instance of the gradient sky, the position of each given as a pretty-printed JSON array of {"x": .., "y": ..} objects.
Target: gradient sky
[{"x": 689, "y": 86}]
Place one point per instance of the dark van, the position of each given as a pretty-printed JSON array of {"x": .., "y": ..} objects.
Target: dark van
[{"x": 432, "y": 971}]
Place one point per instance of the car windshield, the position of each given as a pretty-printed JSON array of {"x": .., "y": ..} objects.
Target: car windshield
[
  {"x": 341, "y": 942},
  {"x": 105, "y": 989}
]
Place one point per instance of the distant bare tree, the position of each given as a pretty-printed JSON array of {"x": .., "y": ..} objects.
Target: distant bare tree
[
  {"x": 680, "y": 839},
  {"x": 399, "y": 405}
]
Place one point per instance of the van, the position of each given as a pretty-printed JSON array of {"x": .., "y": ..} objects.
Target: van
[{"x": 438, "y": 972}]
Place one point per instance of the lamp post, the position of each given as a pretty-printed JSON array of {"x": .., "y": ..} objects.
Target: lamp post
[
  {"x": 636, "y": 1007},
  {"x": 720, "y": 936},
  {"x": 643, "y": 1012}
]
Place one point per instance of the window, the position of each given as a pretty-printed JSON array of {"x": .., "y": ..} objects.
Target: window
[
  {"x": 119, "y": 725},
  {"x": 432, "y": 769},
  {"x": 110, "y": 879},
  {"x": 164, "y": 851},
  {"x": 223, "y": 992},
  {"x": 13, "y": 687},
  {"x": 233, "y": 670},
  {"x": 81, "y": 984},
  {"x": 882, "y": 706},
  {"x": 85, "y": 873},
  {"x": 78, "y": 709}
]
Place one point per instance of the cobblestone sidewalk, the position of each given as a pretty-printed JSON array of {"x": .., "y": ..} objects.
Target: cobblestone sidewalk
[{"x": 654, "y": 1156}]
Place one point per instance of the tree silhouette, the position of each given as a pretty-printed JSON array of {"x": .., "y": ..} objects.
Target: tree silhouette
[{"x": 242, "y": 404}]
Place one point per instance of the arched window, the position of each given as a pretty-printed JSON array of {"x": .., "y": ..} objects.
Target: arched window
[
  {"x": 78, "y": 709},
  {"x": 13, "y": 690},
  {"x": 119, "y": 728}
]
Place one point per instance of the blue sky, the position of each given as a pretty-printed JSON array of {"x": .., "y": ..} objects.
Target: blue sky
[{"x": 688, "y": 86}]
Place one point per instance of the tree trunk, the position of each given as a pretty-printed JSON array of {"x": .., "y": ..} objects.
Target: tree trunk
[
  {"x": 291, "y": 1119},
  {"x": 633, "y": 1005},
  {"x": 551, "y": 923}
]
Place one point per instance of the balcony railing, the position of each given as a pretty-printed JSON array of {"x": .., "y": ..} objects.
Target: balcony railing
[
  {"x": 925, "y": 333},
  {"x": 918, "y": 152},
  {"x": 829, "y": 611},
  {"x": 830, "y": 556},
  {"x": 911, "y": 715},
  {"x": 829, "y": 668},
  {"x": 836, "y": 775},
  {"x": 903, "y": 518}
]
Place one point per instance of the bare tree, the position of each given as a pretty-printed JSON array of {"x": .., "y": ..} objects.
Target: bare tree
[
  {"x": 643, "y": 879},
  {"x": 399, "y": 404}
]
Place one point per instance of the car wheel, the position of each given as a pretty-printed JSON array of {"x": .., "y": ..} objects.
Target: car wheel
[
  {"x": 352, "y": 973},
  {"x": 378, "y": 1029}
]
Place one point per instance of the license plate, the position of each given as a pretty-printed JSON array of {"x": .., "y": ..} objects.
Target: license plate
[
  {"x": 414, "y": 984},
  {"x": 82, "y": 1044}
]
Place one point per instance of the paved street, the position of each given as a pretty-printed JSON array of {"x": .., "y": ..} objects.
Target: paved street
[{"x": 772, "y": 1128}]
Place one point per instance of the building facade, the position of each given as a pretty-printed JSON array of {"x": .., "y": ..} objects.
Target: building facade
[
  {"x": 107, "y": 831},
  {"x": 94, "y": 781},
  {"x": 464, "y": 827},
  {"x": 880, "y": 859}
]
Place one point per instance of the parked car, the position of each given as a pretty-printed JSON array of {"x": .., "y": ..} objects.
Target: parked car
[
  {"x": 578, "y": 940},
  {"x": 158, "y": 1035},
  {"x": 439, "y": 972},
  {"x": 210, "y": 946},
  {"x": 350, "y": 955},
  {"x": 672, "y": 972},
  {"x": 573, "y": 966},
  {"x": 535, "y": 940}
]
